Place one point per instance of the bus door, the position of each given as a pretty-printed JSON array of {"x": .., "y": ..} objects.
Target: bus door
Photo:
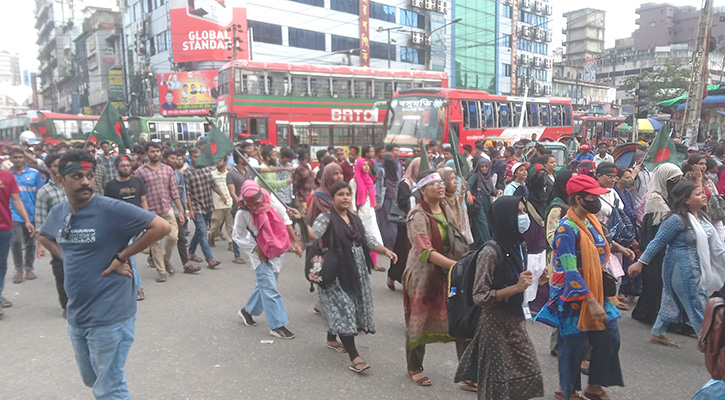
[{"x": 300, "y": 134}]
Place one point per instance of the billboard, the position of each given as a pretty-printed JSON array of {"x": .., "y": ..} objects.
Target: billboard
[
  {"x": 199, "y": 29},
  {"x": 590, "y": 70},
  {"x": 365, "y": 33},
  {"x": 187, "y": 93}
]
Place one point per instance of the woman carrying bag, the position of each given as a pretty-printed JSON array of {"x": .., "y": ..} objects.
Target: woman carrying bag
[
  {"x": 481, "y": 187},
  {"x": 363, "y": 204},
  {"x": 347, "y": 303}
]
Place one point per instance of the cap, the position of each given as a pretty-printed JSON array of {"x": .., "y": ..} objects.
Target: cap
[
  {"x": 519, "y": 164},
  {"x": 693, "y": 148},
  {"x": 585, "y": 147},
  {"x": 519, "y": 145},
  {"x": 584, "y": 183}
]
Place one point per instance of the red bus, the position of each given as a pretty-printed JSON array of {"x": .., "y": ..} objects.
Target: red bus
[
  {"x": 599, "y": 128},
  {"x": 65, "y": 127},
  {"x": 315, "y": 105},
  {"x": 428, "y": 113}
]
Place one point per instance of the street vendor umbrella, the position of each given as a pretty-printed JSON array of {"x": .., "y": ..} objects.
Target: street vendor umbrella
[{"x": 645, "y": 125}]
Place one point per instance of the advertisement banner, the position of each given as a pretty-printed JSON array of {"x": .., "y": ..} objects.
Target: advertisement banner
[
  {"x": 590, "y": 70},
  {"x": 364, "y": 33},
  {"x": 199, "y": 30},
  {"x": 514, "y": 47},
  {"x": 187, "y": 93},
  {"x": 115, "y": 84}
]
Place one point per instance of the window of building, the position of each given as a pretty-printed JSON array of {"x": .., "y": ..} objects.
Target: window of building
[
  {"x": 380, "y": 50},
  {"x": 347, "y": 6},
  {"x": 340, "y": 43},
  {"x": 412, "y": 18},
  {"x": 382, "y": 12},
  {"x": 137, "y": 11},
  {"x": 317, "y": 3},
  {"x": 526, "y": 17},
  {"x": 524, "y": 44},
  {"x": 266, "y": 33},
  {"x": 506, "y": 40},
  {"x": 161, "y": 42},
  {"x": 507, "y": 11},
  {"x": 543, "y": 74},
  {"x": 505, "y": 70},
  {"x": 412, "y": 55},
  {"x": 578, "y": 75}
]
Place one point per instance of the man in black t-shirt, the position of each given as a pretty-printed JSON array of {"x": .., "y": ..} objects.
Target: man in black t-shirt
[{"x": 130, "y": 189}]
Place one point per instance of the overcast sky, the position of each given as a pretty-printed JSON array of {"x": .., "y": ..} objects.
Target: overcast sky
[{"x": 18, "y": 35}]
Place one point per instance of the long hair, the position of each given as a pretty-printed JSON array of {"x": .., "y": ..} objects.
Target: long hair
[{"x": 682, "y": 190}]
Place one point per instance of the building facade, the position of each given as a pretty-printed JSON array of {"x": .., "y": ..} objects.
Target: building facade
[
  {"x": 9, "y": 68},
  {"x": 475, "y": 45},
  {"x": 661, "y": 24},
  {"x": 589, "y": 97},
  {"x": 584, "y": 34}
]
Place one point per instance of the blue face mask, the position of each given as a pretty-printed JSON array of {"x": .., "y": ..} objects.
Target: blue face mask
[{"x": 524, "y": 223}]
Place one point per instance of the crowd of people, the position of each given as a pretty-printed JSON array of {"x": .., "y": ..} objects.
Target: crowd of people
[{"x": 568, "y": 249}]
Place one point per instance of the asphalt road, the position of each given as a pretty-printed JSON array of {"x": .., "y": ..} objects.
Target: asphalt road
[{"x": 191, "y": 345}]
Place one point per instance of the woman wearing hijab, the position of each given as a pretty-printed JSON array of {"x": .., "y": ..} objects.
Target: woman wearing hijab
[
  {"x": 480, "y": 188},
  {"x": 452, "y": 199},
  {"x": 320, "y": 201},
  {"x": 264, "y": 231},
  {"x": 501, "y": 356},
  {"x": 577, "y": 304},
  {"x": 363, "y": 189},
  {"x": 402, "y": 245},
  {"x": 539, "y": 188},
  {"x": 462, "y": 194},
  {"x": 347, "y": 303},
  {"x": 435, "y": 249},
  {"x": 386, "y": 191},
  {"x": 657, "y": 207},
  {"x": 693, "y": 265}
]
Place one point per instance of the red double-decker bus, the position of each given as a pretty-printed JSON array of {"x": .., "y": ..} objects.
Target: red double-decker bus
[
  {"x": 315, "y": 105},
  {"x": 428, "y": 114}
]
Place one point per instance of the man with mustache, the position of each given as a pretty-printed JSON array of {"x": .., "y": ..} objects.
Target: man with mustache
[{"x": 91, "y": 234}]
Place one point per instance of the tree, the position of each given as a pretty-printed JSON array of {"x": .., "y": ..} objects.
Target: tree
[{"x": 671, "y": 82}]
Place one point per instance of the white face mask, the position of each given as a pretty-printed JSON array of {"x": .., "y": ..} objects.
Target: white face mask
[{"x": 524, "y": 223}]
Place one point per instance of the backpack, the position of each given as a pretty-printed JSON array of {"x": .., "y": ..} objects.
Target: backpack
[
  {"x": 462, "y": 311},
  {"x": 620, "y": 227},
  {"x": 712, "y": 337}
]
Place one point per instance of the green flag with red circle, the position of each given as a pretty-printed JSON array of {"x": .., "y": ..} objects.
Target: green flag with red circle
[
  {"x": 215, "y": 146},
  {"x": 110, "y": 127},
  {"x": 661, "y": 151}
]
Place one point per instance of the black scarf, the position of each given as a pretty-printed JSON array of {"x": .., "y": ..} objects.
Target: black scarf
[
  {"x": 503, "y": 221},
  {"x": 539, "y": 188},
  {"x": 347, "y": 235}
]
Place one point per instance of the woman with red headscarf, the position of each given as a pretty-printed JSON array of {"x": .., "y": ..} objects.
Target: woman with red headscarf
[
  {"x": 264, "y": 231},
  {"x": 363, "y": 189}
]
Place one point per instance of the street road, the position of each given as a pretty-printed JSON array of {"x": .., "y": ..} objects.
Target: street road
[{"x": 191, "y": 345}]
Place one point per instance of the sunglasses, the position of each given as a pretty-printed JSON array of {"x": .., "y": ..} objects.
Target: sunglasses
[
  {"x": 65, "y": 232},
  {"x": 437, "y": 184}
]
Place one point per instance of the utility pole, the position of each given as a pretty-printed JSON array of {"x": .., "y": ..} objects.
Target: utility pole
[
  {"x": 235, "y": 42},
  {"x": 395, "y": 28},
  {"x": 635, "y": 120},
  {"x": 429, "y": 46},
  {"x": 698, "y": 78}
]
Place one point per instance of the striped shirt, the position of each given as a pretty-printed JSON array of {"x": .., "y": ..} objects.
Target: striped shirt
[
  {"x": 199, "y": 186},
  {"x": 161, "y": 187},
  {"x": 48, "y": 196},
  {"x": 109, "y": 164},
  {"x": 29, "y": 182}
]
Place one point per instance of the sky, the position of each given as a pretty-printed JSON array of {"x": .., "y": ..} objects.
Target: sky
[{"x": 18, "y": 35}]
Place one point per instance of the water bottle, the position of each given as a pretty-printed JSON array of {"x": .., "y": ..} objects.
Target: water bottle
[{"x": 452, "y": 292}]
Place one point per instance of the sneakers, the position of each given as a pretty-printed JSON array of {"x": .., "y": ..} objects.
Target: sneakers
[
  {"x": 30, "y": 275},
  {"x": 246, "y": 317},
  {"x": 282, "y": 333}
]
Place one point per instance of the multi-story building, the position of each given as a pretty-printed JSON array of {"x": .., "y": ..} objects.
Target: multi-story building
[
  {"x": 523, "y": 59},
  {"x": 584, "y": 34},
  {"x": 592, "y": 98},
  {"x": 403, "y": 34},
  {"x": 9, "y": 68},
  {"x": 99, "y": 76},
  {"x": 662, "y": 24},
  {"x": 475, "y": 45}
]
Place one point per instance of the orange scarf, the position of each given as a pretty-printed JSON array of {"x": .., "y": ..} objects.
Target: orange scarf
[{"x": 591, "y": 270}]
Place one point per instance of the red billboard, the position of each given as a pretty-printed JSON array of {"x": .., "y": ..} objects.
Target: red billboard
[
  {"x": 199, "y": 30},
  {"x": 187, "y": 93}
]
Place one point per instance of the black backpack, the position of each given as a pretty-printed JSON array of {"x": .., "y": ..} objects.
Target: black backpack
[
  {"x": 462, "y": 311},
  {"x": 621, "y": 229}
]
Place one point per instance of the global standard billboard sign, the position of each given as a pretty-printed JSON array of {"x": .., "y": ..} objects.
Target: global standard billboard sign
[{"x": 199, "y": 29}]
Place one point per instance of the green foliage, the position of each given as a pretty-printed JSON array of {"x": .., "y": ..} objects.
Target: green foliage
[{"x": 658, "y": 86}]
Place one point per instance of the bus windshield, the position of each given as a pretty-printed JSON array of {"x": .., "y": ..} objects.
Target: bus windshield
[{"x": 411, "y": 118}]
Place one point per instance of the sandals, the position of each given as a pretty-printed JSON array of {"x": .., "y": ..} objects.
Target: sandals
[
  {"x": 379, "y": 268},
  {"x": 195, "y": 258},
  {"x": 559, "y": 395},
  {"x": 664, "y": 341},
  {"x": 359, "y": 367},
  {"x": 391, "y": 284},
  {"x": 337, "y": 346},
  {"x": 191, "y": 269},
  {"x": 139, "y": 295},
  {"x": 596, "y": 396},
  {"x": 239, "y": 260},
  {"x": 213, "y": 263},
  {"x": 423, "y": 379},
  {"x": 468, "y": 386},
  {"x": 18, "y": 277},
  {"x": 170, "y": 270}
]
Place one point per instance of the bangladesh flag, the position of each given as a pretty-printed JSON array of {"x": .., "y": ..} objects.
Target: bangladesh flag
[
  {"x": 45, "y": 128},
  {"x": 110, "y": 127},
  {"x": 462, "y": 169},
  {"x": 216, "y": 146},
  {"x": 424, "y": 162},
  {"x": 662, "y": 150}
]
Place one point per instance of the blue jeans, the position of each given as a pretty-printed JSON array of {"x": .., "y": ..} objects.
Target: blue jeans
[
  {"x": 5, "y": 238},
  {"x": 265, "y": 298},
  {"x": 680, "y": 290},
  {"x": 132, "y": 261},
  {"x": 201, "y": 237},
  {"x": 235, "y": 248},
  {"x": 604, "y": 367},
  {"x": 101, "y": 357}
]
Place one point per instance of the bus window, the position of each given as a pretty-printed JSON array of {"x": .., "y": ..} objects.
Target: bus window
[
  {"x": 383, "y": 89},
  {"x": 363, "y": 89},
  {"x": 488, "y": 116},
  {"x": 182, "y": 132},
  {"x": 517, "y": 115},
  {"x": 276, "y": 84},
  {"x": 567, "y": 114},
  {"x": 253, "y": 82},
  {"x": 299, "y": 85},
  {"x": 504, "y": 115},
  {"x": 301, "y": 135},
  {"x": 282, "y": 134},
  {"x": 72, "y": 129},
  {"x": 367, "y": 135},
  {"x": 165, "y": 129},
  {"x": 341, "y": 135},
  {"x": 152, "y": 127},
  {"x": 544, "y": 109},
  {"x": 224, "y": 77},
  {"x": 471, "y": 116},
  {"x": 258, "y": 128},
  {"x": 239, "y": 128},
  {"x": 320, "y": 135},
  {"x": 403, "y": 86},
  {"x": 341, "y": 88},
  {"x": 555, "y": 116},
  {"x": 319, "y": 87},
  {"x": 239, "y": 82},
  {"x": 533, "y": 114},
  {"x": 87, "y": 127}
]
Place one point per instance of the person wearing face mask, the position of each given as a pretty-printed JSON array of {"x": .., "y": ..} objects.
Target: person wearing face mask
[
  {"x": 480, "y": 187},
  {"x": 501, "y": 357},
  {"x": 657, "y": 207},
  {"x": 630, "y": 287},
  {"x": 578, "y": 306},
  {"x": 693, "y": 266}
]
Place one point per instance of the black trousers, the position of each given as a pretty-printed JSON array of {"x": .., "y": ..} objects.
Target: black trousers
[{"x": 57, "y": 266}]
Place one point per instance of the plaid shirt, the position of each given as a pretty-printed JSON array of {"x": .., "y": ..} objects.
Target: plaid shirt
[
  {"x": 109, "y": 164},
  {"x": 48, "y": 196},
  {"x": 160, "y": 186},
  {"x": 199, "y": 185},
  {"x": 101, "y": 179}
]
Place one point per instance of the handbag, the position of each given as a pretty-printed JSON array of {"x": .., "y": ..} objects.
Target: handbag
[
  {"x": 396, "y": 214},
  {"x": 620, "y": 227},
  {"x": 321, "y": 263},
  {"x": 716, "y": 207},
  {"x": 610, "y": 284},
  {"x": 712, "y": 337}
]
